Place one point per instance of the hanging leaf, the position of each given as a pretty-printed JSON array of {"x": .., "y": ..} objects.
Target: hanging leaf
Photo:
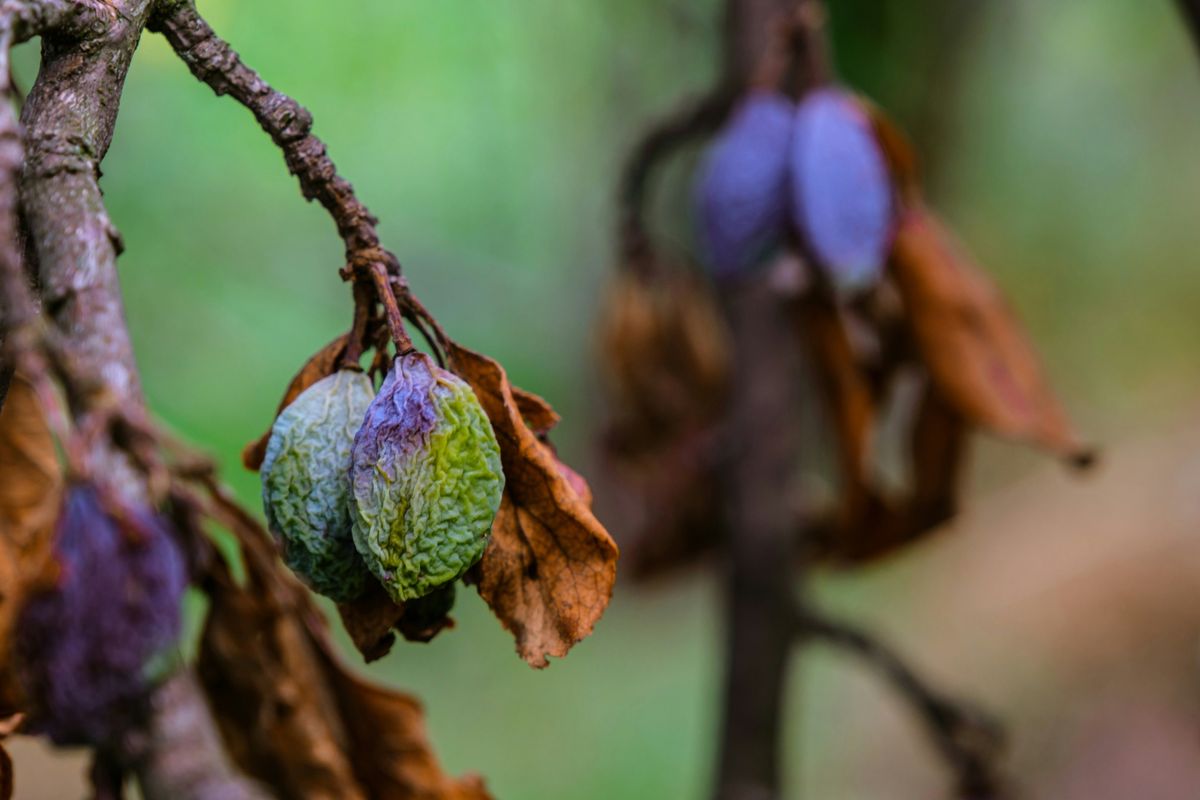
[
  {"x": 849, "y": 400},
  {"x": 31, "y": 486},
  {"x": 372, "y": 619},
  {"x": 322, "y": 364},
  {"x": 549, "y": 569},
  {"x": 937, "y": 446},
  {"x": 665, "y": 347},
  {"x": 975, "y": 350},
  {"x": 536, "y": 412},
  {"x": 386, "y": 730},
  {"x": 841, "y": 191},
  {"x": 898, "y": 151},
  {"x": 741, "y": 192},
  {"x": 289, "y": 712}
]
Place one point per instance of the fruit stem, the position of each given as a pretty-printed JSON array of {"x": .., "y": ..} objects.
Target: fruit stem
[{"x": 395, "y": 320}]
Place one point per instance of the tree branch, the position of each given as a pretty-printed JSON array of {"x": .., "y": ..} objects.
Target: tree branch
[
  {"x": 759, "y": 473},
  {"x": 289, "y": 124},
  {"x": 69, "y": 119},
  {"x": 969, "y": 741}
]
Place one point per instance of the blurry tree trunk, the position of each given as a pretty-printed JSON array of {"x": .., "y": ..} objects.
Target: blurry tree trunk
[
  {"x": 762, "y": 460},
  {"x": 761, "y": 557}
]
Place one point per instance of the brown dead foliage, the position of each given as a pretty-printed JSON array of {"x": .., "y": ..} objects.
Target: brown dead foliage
[
  {"x": 31, "y": 486},
  {"x": 975, "y": 351},
  {"x": 549, "y": 569},
  {"x": 665, "y": 349},
  {"x": 291, "y": 715},
  {"x": 374, "y": 618}
]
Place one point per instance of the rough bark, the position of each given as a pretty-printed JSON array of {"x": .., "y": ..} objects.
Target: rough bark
[{"x": 68, "y": 122}]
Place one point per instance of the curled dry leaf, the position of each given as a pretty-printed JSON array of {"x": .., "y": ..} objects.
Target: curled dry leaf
[
  {"x": 898, "y": 152},
  {"x": 372, "y": 619},
  {"x": 665, "y": 347},
  {"x": 549, "y": 569},
  {"x": 884, "y": 525},
  {"x": 31, "y": 485},
  {"x": 869, "y": 525},
  {"x": 975, "y": 351},
  {"x": 849, "y": 399},
  {"x": 322, "y": 364},
  {"x": 290, "y": 714},
  {"x": 536, "y": 412}
]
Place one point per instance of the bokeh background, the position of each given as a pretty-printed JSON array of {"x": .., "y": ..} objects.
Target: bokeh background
[{"x": 1063, "y": 141}]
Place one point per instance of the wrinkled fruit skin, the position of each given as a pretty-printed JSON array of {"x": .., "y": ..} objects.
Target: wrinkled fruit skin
[
  {"x": 426, "y": 479},
  {"x": 741, "y": 195},
  {"x": 83, "y": 648},
  {"x": 842, "y": 200},
  {"x": 306, "y": 483}
]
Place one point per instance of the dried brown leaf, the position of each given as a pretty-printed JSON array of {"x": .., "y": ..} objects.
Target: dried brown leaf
[
  {"x": 322, "y": 364},
  {"x": 387, "y": 732},
  {"x": 373, "y": 619},
  {"x": 537, "y": 413},
  {"x": 550, "y": 566},
  {"x": 901, "y": 157},
  {"x": 883, "y": 526},
  {"x": 290, "y": 714},
  {"x": 665, "y": 348},
  {"x": 31, "y": 485},
  {"x": 975, "y": 350},
  {"x": 849, "y": 400}
]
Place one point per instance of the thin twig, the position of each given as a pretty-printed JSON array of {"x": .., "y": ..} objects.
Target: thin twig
[
  {"x": 969, "y": 741},
  {"x": 695, "y": 119}
]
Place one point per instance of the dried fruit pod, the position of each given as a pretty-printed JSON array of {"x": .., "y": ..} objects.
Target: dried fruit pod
[
  {"x": 426, "y": 479},
  {"x": 306, "y": 483},
  {"x": 82, "y": 648},
  {"x": 741, "y": 194},
  {"x": 842, "y": 199}
]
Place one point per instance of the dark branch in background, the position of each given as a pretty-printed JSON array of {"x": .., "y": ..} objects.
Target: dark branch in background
[
  {"x": 696, "y": 119},
  {"x": 761, "y": 555},
  {"x": 968, "y": 740},
  {"x": 777, "y": 45}
]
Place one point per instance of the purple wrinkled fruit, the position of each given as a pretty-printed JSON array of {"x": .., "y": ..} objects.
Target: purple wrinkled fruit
[
  {"x": 83, "y": 647},
  {"x": 741, "y": 194},
  {"x": 425, "y": 478},
  {"x": 841, "y": 192}
]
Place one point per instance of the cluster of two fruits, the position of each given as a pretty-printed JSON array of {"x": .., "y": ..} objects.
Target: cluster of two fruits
[{"x": 400, "y": 487}]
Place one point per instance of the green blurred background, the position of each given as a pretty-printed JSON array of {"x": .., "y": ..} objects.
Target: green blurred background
[{"x": 486, "y": 135}]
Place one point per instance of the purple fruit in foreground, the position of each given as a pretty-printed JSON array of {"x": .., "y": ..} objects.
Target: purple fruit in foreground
[
  {"x": 425, "y": 478},
  {"x": 841, "y": 193},
  {"x": 741, "y": 193},
  {"x": 83, "y": 647}
]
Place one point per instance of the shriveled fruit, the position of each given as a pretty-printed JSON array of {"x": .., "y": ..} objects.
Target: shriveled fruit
[
  {"x": 306, "y": 483},
  {"x": 741, "y": 194},
  {"x": 842, "y": 200},
  {"x": 83, "y": 648},
  {"x": 426, "y": 479}
]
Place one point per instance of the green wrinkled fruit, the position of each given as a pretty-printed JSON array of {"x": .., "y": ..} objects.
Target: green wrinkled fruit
[
  {"x": 306, "y": 483},
  {"x": 426, "y": 479}
]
